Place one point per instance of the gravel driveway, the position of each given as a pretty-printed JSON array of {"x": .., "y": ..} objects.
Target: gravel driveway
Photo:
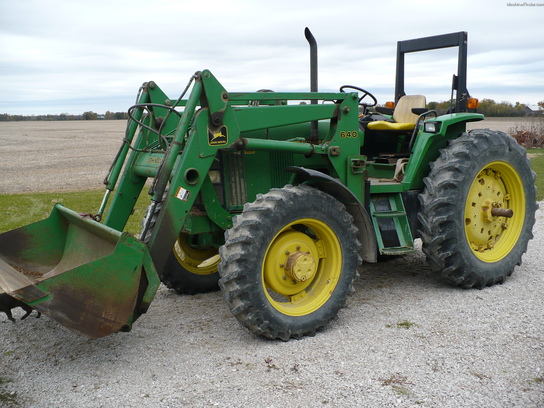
[{"x": 406, "y": 339}]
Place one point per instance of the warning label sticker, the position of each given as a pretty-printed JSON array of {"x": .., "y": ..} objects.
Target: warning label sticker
[{"x": 183, "y": 194}]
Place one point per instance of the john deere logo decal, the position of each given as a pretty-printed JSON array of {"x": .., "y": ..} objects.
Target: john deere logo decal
[{"x": 218, "y": 137}]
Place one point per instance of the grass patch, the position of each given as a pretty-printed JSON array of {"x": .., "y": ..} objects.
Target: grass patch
[
  {"x": 398, "y": 384},
  {"x": 537, "y": 380},
  {"x": 537, "y": 164},
  {"x": 405, "y": 324},
  {"x": 7, "y": 398},
  {"x": 17, "y": 210}
]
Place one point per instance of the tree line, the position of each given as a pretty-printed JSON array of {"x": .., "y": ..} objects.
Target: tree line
[
  {"x": 89, "y": 115},
  {"x": 488, "y": 107}
]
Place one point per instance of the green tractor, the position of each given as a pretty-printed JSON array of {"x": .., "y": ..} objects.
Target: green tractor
[{"x": 277, "y": 198}]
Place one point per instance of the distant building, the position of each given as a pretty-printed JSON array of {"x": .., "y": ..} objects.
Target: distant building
[{"x": 533, "y": 110}]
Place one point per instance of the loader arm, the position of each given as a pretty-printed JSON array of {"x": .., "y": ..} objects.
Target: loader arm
[
  {"x": 219, "y": 125},
  {"x": 98, "y": 280}
]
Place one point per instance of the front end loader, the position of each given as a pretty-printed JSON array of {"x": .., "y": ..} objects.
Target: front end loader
[{"x": 277, "y": 198}]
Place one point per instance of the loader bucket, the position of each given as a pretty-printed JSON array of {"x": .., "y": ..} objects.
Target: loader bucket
[{"x": 86, "y": 276}]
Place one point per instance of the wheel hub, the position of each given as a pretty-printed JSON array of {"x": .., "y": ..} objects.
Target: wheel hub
[
  {"x": 300, "y": 266},
  {"x": 292, "y": 263},
  {"x": 494, "y": 211},
  {"x": 487, "y": 195}
]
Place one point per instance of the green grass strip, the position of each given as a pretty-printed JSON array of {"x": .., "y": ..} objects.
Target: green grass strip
[
  {"x": 17, "y": 210},
  {"x": 537, "y": 164}
]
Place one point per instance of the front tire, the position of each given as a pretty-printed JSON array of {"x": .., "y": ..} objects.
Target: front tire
[
  {"x": 469, "y": 234},
  {"x": 190, "y": 268},
  {"x": 288, "y": 262}
]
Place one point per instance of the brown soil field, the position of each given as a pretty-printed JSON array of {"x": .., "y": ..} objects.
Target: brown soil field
[
  {"x": 503, "y": 124},
  {"x": 57, "y": 155},
  {"x": 76, "y": 155}
]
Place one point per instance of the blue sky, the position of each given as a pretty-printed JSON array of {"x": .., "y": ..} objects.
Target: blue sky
[{"x": 61, "y": 56}]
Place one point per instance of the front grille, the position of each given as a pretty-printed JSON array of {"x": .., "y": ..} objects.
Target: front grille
[{"x": 236, "y": 191}]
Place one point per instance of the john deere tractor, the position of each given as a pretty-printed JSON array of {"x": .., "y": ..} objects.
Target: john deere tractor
[{"x": 277, "y": 198}]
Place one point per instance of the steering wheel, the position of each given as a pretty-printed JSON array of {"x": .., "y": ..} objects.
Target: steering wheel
[{"x": 365, "y": 94}]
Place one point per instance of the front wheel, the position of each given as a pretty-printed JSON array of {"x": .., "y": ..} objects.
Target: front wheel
[
  {"x": 478, "y": 209},
  {"x": 191, "y": 267},
  {"x": 288, "y": 262}
]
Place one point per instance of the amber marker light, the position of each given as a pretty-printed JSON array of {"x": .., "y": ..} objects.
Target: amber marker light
[
  {"x": 390, "y": 105},
  {"x": 472, "y": 103}
]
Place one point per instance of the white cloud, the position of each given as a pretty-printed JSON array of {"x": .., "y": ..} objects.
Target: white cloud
[{"x": 58, "y": 55}]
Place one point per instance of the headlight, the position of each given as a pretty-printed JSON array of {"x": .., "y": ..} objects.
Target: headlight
[{"x": 431, "y": 127}]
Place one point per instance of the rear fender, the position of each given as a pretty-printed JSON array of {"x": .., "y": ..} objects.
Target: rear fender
[
  {"x": 427, "y": 145},
  {"x": 335, "y": 188}
]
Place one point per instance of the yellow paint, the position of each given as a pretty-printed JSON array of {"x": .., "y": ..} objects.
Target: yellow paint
[
  {"x": 300, "y": 270},
  {"x": 499, "y": 185}
]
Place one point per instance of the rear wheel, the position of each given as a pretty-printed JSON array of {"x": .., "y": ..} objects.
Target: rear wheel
[
  {"x": 288, "y": 262},
  {"x": 478, "y": 209}
]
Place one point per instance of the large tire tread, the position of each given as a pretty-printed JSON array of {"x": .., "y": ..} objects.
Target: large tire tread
[
  {"x": 240, "y": 278},
  {"x": 443, "y": 199}
]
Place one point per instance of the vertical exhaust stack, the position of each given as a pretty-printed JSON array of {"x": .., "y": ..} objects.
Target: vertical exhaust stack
[{"x": 314, "y": 137}]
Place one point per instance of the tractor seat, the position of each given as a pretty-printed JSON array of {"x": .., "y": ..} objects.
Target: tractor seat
[{"x": 405, "y": 119}]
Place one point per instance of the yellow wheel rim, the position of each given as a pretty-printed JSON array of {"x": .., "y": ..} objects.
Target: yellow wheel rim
[
  {"x": 301, "y": 267},
  {"x": 496, "y": 189},
  {"x": 190, "y": 257}
]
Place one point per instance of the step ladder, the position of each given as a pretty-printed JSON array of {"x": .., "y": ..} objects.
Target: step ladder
[{"x": 391, "y": 224}]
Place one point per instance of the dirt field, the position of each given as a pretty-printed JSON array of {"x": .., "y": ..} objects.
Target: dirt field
[
  {"x": 502, "y": 124},
  {"x": 76, "y": 155},
  {"x": 57, "y": 156}
]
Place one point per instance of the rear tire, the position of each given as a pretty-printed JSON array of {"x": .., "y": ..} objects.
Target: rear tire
[
  {"x": 462, "y": 240},
  {"x": 289, "y": 262}
]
